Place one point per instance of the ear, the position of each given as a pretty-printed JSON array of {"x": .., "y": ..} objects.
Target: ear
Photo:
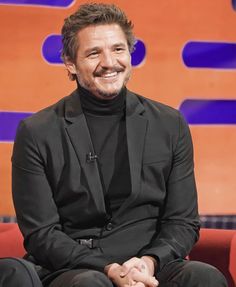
[{"x": 70, "y": 66}]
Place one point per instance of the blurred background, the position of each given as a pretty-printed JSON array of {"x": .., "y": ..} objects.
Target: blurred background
[{"x": 185, "y": 57}]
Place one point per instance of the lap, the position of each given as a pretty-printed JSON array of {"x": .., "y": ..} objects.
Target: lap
[
  {"x": 181, "y": 273},
  {"x": 81, "y": 278},
  {"x": 16, "y": 272}
]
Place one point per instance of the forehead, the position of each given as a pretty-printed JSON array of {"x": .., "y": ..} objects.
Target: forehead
[{"x": 100, "y": 35}]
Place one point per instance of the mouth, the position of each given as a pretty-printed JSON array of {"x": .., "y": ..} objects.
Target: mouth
[{"x": 109, "y": 75}]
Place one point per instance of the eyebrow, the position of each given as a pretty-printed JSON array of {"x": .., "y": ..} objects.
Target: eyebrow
[{"x": 119, "y": 45}]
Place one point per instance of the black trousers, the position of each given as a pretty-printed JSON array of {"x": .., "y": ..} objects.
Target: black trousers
[{"x": 16, "y": 272}]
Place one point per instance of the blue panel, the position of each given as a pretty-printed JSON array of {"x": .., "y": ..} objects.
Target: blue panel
[
  {"x": 55, "y": 3},
  {"x": 8, "y": 124},
  {"x": 139, "y": 53},
  {"x": 210, "y": 55},
  {"x": 234, "y": 4},
  {"x": 52, "y": 47},
  {"x": 209, "y": 111}
]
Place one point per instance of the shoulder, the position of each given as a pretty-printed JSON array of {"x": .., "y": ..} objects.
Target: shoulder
[
  {"x": 48, "y": 116},
  {"x": 159, "y": 111},
  {"x": 45, "y": 123},
  {"x": 162, "y": 119}
]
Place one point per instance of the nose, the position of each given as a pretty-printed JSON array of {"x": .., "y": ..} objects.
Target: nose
[{"x": 107, "y": 60}]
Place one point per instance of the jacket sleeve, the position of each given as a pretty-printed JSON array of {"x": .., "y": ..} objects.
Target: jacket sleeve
[
  {"x": 179, "y": 223},
  {"x": 37, "y": 214}
]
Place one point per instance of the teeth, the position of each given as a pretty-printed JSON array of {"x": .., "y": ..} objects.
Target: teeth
[{"x": 109, "y": 75}]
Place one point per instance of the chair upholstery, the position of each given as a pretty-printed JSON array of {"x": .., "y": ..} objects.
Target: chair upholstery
[
  {"x": 216, "y": 247},
  {"x": 11, "y": 240}
]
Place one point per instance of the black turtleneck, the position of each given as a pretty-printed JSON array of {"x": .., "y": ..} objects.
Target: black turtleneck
[
  {"x": 106, "y": 123},
  {"x": 96, "y": 106}
]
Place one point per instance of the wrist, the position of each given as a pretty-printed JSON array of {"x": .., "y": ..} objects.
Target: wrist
[{"x": 151, "y": 263}]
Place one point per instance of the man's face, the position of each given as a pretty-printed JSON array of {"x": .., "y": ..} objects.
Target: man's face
[{"x": 103, "y": 63}]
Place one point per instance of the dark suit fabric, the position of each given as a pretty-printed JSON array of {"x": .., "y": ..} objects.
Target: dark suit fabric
[{"x": 58, "y": 195}]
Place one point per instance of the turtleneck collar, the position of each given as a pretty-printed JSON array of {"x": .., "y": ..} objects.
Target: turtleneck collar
[{"x": 93, "y": 105}]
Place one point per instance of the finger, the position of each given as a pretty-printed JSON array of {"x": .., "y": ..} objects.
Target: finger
[
  {"x": 138, "y": 284},
  {"x": 135, "y": 284},
  {"x": 144, "y": 278},
  {"x": 129, "y": 264}
]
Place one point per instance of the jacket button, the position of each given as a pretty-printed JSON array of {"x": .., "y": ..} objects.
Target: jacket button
[{"x": 109, "y": 226}]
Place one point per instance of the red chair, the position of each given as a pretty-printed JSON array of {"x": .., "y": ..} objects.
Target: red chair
[
  {"x": 216, "y": 247},
  {"x": 11, "y": 240}
]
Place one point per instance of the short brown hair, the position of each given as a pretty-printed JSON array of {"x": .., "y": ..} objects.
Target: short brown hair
[{"x": 93, "y": 14}]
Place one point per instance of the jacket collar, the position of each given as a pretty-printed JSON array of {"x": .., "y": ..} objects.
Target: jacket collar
[
  {"x": 73, "y": 108},
  {"x": 136, "y": 125}
]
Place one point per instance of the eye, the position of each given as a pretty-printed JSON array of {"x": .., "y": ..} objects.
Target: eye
[
  {"x": 119, "y": 49},
  {"x": 93, "y": 54}
]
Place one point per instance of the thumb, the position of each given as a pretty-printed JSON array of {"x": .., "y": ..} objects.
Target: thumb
[{"x": 124, "y": 270}]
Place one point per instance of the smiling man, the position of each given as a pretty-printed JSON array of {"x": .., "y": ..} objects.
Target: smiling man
[
  {"x": 103, "y": 62},
  {"x": 103, "y": 180}
]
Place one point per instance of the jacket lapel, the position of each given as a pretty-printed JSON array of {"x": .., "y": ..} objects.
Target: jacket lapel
[
  {"x": 79, "y": 135},
  {"x": 136, "y": 126}
]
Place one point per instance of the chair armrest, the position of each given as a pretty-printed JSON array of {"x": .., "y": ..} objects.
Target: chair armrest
[
  {"x": 232, "y": 266},
  {"x": 218, "y": 248},
  {"x": 11, "y": 240}
]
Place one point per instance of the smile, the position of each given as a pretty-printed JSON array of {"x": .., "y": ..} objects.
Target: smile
[{"x": 109, "y": 75}]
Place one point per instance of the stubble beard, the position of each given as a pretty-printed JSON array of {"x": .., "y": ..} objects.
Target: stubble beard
[{"x": 99, "y": 92}]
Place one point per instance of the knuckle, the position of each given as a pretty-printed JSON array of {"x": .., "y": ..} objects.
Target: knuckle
[{"x": 133, "y": 271}]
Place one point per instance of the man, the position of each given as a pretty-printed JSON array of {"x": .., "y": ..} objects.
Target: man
[{"x": 103, "y": 181}]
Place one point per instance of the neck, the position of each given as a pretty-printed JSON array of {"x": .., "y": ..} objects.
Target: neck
[{"x": 95, "y": 105}]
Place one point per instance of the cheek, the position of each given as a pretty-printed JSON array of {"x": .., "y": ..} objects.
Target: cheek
[
  {"x": 124, "y": 59},
  {"x": 86, "y": 75},
  {"x": 87, "y": 68},
  {"x": 128, "y": 59},
  {"x": 128, "y": 63}
]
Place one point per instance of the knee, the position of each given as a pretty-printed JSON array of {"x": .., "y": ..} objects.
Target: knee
[
  {"x": 91, "y": 278},
  {"x": 204, "y": 274},
  {"x": 17, "y": 272},
  {"x": 12, "y": 268}
]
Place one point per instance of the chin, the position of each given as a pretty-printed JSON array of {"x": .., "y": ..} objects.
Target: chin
[{"x": 108, "y": 94}]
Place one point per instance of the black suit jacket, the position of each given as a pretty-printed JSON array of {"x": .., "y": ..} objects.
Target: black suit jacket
[{"x": 58, "y": 195}]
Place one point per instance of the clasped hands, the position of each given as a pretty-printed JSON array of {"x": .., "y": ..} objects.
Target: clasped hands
[{"x": 136, "y": 272}]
